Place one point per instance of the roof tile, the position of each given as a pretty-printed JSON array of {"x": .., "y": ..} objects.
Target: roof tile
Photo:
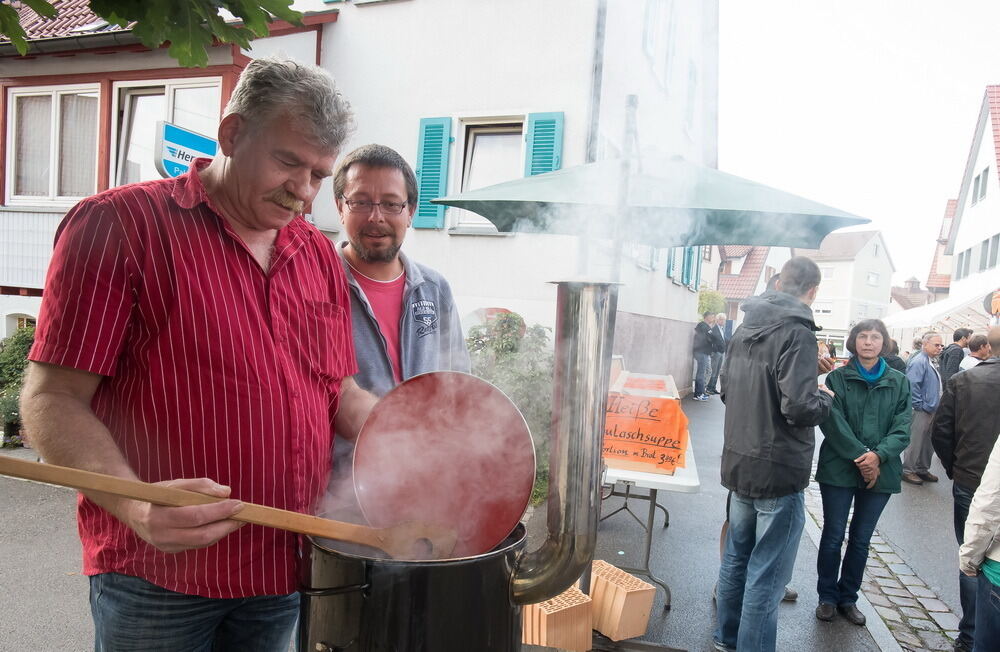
[
  {"x": 742, "y": 285},
  {"x": 72, "y": 15}
]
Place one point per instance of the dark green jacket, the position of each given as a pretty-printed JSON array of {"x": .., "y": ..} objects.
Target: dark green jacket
[{"x": 865, "y": 418}]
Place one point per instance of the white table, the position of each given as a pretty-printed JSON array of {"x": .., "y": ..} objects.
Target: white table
[{"x": 683, "y": 480}]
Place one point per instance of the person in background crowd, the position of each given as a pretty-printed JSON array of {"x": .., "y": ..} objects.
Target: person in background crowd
[
  {"x": 963, "y": 433},
  {"x": 703, "y": 354},
  {"x": 194, "y": 333},
  {"x": 772, "y": 403},
  {"x": 980, "y": 554},
  {"x": 868, "y": 427},
  {"x": 717, "y": 335},
  {"x": 979, "y": 350},
  {"x": 892, "y": 357},
  {"x": 925, "y": 388},
  {"x": 404, "y": 317},
  {"x": 951, "y": 357}
]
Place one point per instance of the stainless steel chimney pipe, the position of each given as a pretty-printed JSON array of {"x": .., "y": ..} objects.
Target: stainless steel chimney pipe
[{"x": 585, "y": 326}]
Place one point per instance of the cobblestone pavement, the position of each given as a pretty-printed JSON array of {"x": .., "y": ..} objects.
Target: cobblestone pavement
[{"x": 915, "y": 616}]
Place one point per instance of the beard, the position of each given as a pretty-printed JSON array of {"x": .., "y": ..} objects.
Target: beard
[{"x": 383, "y": 255}]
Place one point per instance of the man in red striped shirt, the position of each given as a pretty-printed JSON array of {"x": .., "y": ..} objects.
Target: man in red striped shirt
[{"x": 195, "y": 332}]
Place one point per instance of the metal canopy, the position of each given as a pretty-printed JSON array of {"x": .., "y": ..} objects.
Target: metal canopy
[{"x": 667, "y": 203}]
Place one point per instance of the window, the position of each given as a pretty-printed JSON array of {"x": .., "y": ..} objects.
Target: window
[
  {"x": 24, "y": 322},
  {"x": 671, "y": 259},
  {"x": 52, "y": 134},
  {"x": 984, "y": 254},
  {"x": 492, "y": 155},
  {"x": 827, "y": 272},
  {"x": 982, "y": 182},
  {"x": 875, "y": 250},
  {"x": 140, "y": 105},
  {"x": 958, "y": 266},
  {"x": 967, "y": 262},
  {"x": 822, "y": 307},
  {"x": 994, "y": 247},
  {"x": 706, "y": 253},
  {"x": 975, "y": 190},
  {"x": 489, "y": 150},
  {"x": 873, "y": 279}
]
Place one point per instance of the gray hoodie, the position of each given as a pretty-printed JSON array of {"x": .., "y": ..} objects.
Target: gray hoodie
[
  {"x": 772, "y": 401},
  {"x": 430, "y": 333}
]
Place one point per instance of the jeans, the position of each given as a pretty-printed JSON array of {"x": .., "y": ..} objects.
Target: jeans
[
  {"x": 704, "y": 363},
  {"x": 966, "y": 585},
  {"x": 868, "y": 506},
  {"x": 713, "y": 382},
  {"x": 133, "y": 615},
  {"x": 757, "y": 562},
  {"x": 987, "y": 615},
  {"x": 917, "y": 456}
]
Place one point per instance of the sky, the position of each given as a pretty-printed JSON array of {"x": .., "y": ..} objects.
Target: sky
[{"x": 866, "y": 105}]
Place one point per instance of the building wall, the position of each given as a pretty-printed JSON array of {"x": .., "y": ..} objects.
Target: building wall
[
  {"x": 533, "y": 74},
  {"x": 834, "y": 295},
  {"x": 26, "y": 238},
  {"x": 871, "y": 301},
  {"x": 980, "y": 221}
]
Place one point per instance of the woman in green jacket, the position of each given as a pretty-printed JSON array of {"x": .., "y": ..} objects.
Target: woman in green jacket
[{"x": 868, "y": 428}]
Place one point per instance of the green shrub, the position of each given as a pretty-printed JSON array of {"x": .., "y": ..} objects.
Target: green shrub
[{"x": 519, "y": 361}]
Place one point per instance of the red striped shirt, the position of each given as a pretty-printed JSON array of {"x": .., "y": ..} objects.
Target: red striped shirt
[{"x": 213, "y": 368}]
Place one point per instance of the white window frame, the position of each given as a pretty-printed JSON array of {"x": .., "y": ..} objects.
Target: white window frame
[
  {"x": 457, "y": 217},
  {"x": 169, "y": 85},
  {"x": 827, "y": 272},
  {"x": 872, "y": 279},
  {"x": 54, "y": 91}
]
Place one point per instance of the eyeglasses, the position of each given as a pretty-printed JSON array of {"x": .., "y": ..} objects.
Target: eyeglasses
[{"x": 365, "y": 207}]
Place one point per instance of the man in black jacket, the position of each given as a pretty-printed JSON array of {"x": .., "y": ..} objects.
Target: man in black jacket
[
  {"x": 952, "y": 356},
  {"x": 964, "y": 431},
  {"x": 772, "y": 405},
  {"x": 702, "y": 355},
  {"x": 717, "y": 336}
]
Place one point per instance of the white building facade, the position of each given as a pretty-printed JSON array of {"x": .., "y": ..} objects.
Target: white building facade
[
  {"x": 856, "y": 282},
  {"x": 470, "y": 93}
]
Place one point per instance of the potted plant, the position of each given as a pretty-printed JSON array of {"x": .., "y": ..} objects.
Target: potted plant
[{"x": 10, "y": 417}]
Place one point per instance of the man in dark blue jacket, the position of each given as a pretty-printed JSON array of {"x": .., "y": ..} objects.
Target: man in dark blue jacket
[{"x": 772, "y": 403}]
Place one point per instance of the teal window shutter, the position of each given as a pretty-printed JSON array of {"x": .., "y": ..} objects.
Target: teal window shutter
[
  {"x": 688, "y": 266},
  {"x": 670, "y": 262},
  {"x": 697, "y": 275},
  {"x": 544, "y": 136},
  {"x": 432, "y": 171}
]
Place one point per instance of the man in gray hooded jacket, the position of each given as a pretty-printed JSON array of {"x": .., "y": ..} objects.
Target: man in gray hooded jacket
[
  {"x": 772, "y": 404},
  {"x": 403, "y": 315}
]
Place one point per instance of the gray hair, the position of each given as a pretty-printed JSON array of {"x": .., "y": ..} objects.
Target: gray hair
[
  {"x": 721, "y": 314},
  {"x": 376, "y": 156},
  {"x": 272, "y": 87},
  {"x": 926, "y": 337}
]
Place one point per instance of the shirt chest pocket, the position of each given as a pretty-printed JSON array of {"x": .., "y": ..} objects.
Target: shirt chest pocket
[{"x": 324, "y": 340}]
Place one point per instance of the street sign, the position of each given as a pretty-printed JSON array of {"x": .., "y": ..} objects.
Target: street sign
[{"x": 177, "y": 148}]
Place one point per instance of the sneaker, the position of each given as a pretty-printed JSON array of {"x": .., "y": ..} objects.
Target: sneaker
[
  {"x": 791, "y": 595},
  {"x": 722, "y": 647},
  {"x": 912, "y": 478},
  {"x": 712, "y": 392},
  {"x": 701, "y": 397},
  {"x": 927, "y": 476}
]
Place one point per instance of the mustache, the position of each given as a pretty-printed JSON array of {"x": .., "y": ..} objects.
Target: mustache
[{"x": 286, "y": 200}]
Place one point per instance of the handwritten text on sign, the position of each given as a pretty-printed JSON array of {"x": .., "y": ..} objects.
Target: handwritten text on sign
[{"x": 646, "y": 430}]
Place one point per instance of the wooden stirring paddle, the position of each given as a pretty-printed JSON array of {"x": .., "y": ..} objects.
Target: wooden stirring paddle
[{"x": 403, "y": 541}]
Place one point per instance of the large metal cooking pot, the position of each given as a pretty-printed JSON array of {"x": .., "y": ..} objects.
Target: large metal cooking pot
[
  {"x": 352, "y": 603},
  {"x": 356, "y": 603}
]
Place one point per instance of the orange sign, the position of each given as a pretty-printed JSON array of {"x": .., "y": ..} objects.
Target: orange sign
[
  {"x": 648, "y": 431},
  {"x": 652, "y": 384}
]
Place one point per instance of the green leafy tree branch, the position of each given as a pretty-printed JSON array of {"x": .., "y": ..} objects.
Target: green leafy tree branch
[{"x": 189, "y": 26}]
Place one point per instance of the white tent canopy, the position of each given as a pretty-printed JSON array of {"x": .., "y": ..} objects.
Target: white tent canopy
[{"x": 957, "y": 311}]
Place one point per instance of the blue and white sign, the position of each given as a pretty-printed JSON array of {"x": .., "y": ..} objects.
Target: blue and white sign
[{"x": 177, "y": 148}]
